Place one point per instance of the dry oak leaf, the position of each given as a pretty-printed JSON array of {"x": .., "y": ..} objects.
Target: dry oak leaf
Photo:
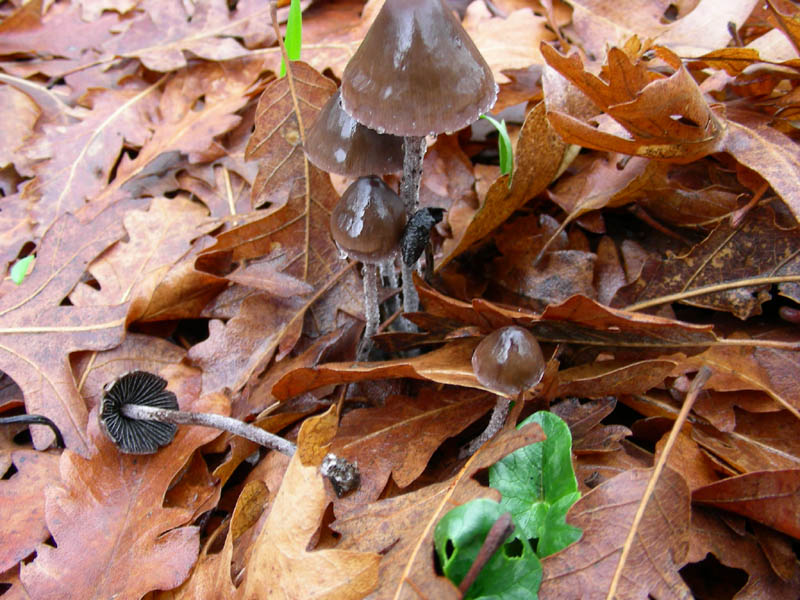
[
  {"x": 37, "y": 333},
  {"x": 400, "y": 437},
  {"x": 646, "y": 114},
  {"x": 769, "y": 497},
  {"x": 74, "y": 161},
  {"x": 758, "y": 247},
  {"x": 131, "y": 271},
  {"x": 660, "y": 546},
  {"x": 537, "y": 157},
  {"x": 277, "y": 141},
  {"x": 115, "y": 538},
  {"x": 22, "y": 496},
  {"x": 167, "y": 31},
  {"x": 401, "y": 528},
  {"x": 281, "y": 565},
  {"x": 600, "y": 23},
  {"x": 711, "y": 534},
  {"x": 211, "y": 576}
]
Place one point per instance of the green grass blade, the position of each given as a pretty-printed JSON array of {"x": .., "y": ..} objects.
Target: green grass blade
[
  {"x": 503, "y": 146},
  {"x": 20, "y": 269},
  {"x": 294, "y": 34}
]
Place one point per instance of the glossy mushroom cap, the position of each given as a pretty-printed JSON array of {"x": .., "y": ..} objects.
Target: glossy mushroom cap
[
  {"x": 134, "y": 436},
  {"x": 337, "y": 143},
  {"x": 368, "y": 221},
  {"x": 417, "y": 72},
  {"x": 508, "y": 360}
]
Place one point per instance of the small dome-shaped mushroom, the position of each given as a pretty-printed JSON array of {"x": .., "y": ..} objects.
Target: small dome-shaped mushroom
[
  {"x": 337, "y": 143},
  {"x": 133, "y": 436},
  {"x": 509, "y": 361},
  {"x": 368, "y": 221}
]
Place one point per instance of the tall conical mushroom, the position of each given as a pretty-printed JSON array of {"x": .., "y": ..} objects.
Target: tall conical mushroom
[
  {"x": 416, "y": 73},
  {"x": 337, "y": 143},
  {"x": 367, "y": 224}
]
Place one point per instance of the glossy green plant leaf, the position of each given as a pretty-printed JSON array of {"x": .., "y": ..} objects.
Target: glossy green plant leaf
[
  {"x": 538, "y": 486},
  {"x": 20, "y": 269},
  {"x": 294, "y": 34},
  {"x": 503, "y": 146},
  {"x": 514, "y": 571}
]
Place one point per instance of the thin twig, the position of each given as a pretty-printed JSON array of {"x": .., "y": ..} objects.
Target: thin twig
[{"x": 497, "y": 536}]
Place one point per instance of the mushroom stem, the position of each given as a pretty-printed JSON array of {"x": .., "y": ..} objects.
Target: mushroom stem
[
  {"x": 388, "y": 271},
  {"x": 36, "y": 420},
  {"x": 496, "y": 422},
  {"x": 410, "y": 296},
  {"x": 234, "y": 426},
  {"x": 371, "y": 299},
  {"x": 413, "y": 154}
]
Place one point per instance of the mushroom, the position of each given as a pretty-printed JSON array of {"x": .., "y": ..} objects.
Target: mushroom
[
  {"x": 337, "y": 143},
  {"x": 139, "y": 415},
  {"x": 416, "y": 73},
  {"x": 367, "y": 224},
  {"x": 415, "y": 241},
  {"x": 508, "y": 361}
]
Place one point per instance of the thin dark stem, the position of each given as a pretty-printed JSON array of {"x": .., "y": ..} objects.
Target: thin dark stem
[
  {"x": 234, "y": 426},
  {"x": 371, "y": 308},
  {"x": 413, "y": 155},
  {"x": 496, "y": 537},
  {"x": 36, "y": 420}
]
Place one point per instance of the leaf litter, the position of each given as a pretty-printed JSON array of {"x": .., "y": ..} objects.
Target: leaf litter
[{"x": 153, "y": 169}]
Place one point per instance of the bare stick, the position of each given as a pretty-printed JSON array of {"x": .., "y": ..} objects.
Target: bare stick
[{"x": 496, "y": 537}]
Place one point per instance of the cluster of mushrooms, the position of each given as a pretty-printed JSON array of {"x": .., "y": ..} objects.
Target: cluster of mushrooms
[{"x": 416, "y": 74}]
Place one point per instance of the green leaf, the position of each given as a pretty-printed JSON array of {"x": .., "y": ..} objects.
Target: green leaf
[
  {"x": 294, "y": 34},
  {"x": 539, "y": 486},
  {"x": 503, "y": 146},
  {"x": 514, "y": 571},
  {"x": 20, "y": 269}
]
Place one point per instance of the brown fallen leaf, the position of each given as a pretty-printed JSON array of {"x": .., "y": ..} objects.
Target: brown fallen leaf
[
  {"x": 400, "y": 437},
  {"x": 114, "y": 536},
  {"x": 536, "y": 160},
  {"x": 769, "y": 497},
  {"x": 728, "y": 259},
  {"x": 662, "y": 117},
  {"x": 710, "y": 534},
  {"x": 283, "y": 566},
  {"x": 37, "y": 333},
  {"x": 611, "y": 378},
  {"x": 24, "y": 527},
  {"x": 585, "y": 569},
  {"x": 401, "y": 528}
]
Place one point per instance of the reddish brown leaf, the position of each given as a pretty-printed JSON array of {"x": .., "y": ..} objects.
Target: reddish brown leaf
[
  {"x": 769, "y": 497},
  {"x": 37, "y": 333},
  {"x": 24, "y": 527},
  {"x": 113, "y": 535},
  {"x": 606, "y": 514},
  {"x": 399, "y": 438},
  {"x": 401, "y": 528}
]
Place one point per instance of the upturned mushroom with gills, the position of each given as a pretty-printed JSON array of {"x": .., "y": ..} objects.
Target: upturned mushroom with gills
[
  {"x": 366, "y": 225},
  {"x": 416, "y": 73},
  {"x": 508, "y": 361},
  {"x": 140, "y": 415}
]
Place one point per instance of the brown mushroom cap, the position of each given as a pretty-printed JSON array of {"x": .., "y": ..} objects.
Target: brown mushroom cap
[
  {"x": 337, "y": 143},
  {"x": 368, "y": 221},
  {"x": 508, "y": 360},
  {"x": 417, "y": 72}
]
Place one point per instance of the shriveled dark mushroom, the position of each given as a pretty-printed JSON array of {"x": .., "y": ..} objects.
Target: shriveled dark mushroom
[
  {"x": 140, "y": 415},
  {"x": 367, "y": 224},
  {"x": 337, "y": 143},
  {"x": 416, "y": 73},
  {"x": 510, "y": 362}
]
